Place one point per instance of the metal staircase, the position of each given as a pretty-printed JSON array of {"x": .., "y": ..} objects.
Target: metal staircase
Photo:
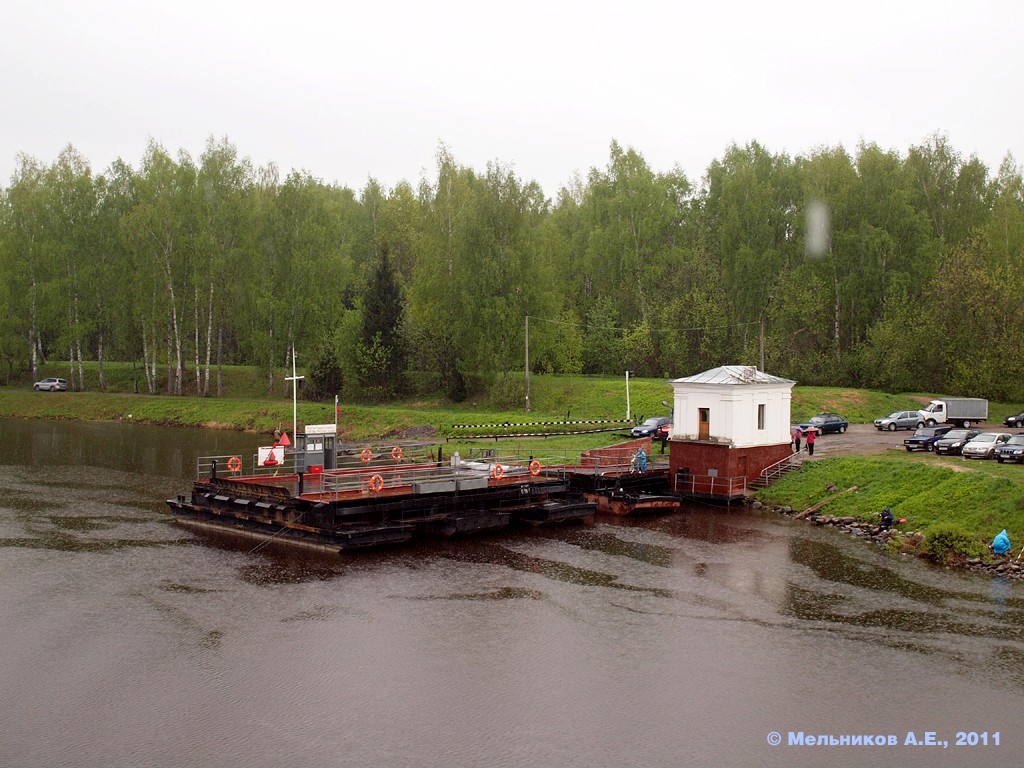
[{"x": 773, "y": 472}]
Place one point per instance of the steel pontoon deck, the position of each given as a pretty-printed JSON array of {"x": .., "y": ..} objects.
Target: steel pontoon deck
[{"x": 380, "y": 502}]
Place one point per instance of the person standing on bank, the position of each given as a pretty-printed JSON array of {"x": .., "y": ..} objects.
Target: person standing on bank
[
  {"x": 811, "y": 436},
  {"x": 794, "y": 438}
]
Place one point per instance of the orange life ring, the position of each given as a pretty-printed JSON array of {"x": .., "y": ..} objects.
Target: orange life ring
[
  {"x": 534, "y": 467},
  {"x": 396, "y": 453},
  {"x": 235, "y": 464},
  {"x": 366, "y": 455},
  {"x": 498, "y": 472},
  {"x": 376, "y": 483}
]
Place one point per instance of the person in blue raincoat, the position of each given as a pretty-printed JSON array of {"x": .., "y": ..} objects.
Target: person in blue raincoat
[
  {"x": 1001, "y": 543},
  {"x": 640, "y": 458}
]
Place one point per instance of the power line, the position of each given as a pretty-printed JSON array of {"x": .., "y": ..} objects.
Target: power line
[{"x": 666, "y": 330}]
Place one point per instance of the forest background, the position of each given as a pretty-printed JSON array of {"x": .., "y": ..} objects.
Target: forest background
[{"x": 880, "y": 269}]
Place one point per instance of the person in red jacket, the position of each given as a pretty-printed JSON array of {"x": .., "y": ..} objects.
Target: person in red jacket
[{"x": 812, "y": 434}]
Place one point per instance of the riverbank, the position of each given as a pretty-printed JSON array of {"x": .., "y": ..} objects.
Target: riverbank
[
  {"x": 424, "y": 422},
  {"x": 552, "y": 399},
  {"x": 950, "y": 514},
  {"x": 241, "y": 414}
]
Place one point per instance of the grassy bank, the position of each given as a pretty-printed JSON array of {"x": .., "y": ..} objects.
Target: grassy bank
[
  {"x": 958, "y": 509},
  {"x": 429, "y": 420}
]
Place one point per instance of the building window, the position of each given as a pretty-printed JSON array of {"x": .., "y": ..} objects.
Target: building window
[{"x": 760, "y": 416}]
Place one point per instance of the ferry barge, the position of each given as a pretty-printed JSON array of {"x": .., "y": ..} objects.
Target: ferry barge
[{"x": 377, "y": 497}]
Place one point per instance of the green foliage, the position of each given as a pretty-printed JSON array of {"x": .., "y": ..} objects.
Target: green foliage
[
  {"x": 982, "y": 500},
  {"x": 564, "y": 351},
  {"x": 897, "y": 349},
  {"x": 948, "y": 542},
  {"x": 325, "y": 377},
  {"x": 373, "y": 360},
  {"x": 508, "y": 392},
  {"x": 382, "y": 353},
  {"x": 638, "y": 350},
  {"x": 186, "y": 267},
  {"x": 455, "y": 387},
  {"x": 603, "y": 343}
]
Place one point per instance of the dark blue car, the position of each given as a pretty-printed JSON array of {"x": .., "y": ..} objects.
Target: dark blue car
[
  {"x": 825, "y": 422},
  {"x": 925, "y": 438}
]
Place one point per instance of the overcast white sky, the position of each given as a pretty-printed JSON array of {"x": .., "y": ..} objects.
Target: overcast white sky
[{"x": 350, "y": 90}]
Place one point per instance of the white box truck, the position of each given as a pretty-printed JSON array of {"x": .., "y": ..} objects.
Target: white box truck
[{"x": 962, "y": 411}]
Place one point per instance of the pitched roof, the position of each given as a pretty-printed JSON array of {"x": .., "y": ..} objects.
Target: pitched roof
[{"x": 733, "y": 374}]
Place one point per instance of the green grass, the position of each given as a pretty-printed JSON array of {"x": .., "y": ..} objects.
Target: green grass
[
  {"x": 980, "y": 499},
  {"x": 563, "y": 397}
]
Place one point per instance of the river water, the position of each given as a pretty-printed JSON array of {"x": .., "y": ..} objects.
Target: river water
[{"x": 691, "y": 639}]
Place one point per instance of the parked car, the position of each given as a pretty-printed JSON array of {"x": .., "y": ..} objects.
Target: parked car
[
  {"x": 953, "y": 442},
  {"x": 51, "y": 385},
  {"x": 1014, "y": 420},
  {"x": 1011, "y": 450},
  {"x": 925, "y": 438},
  {"x": 825, "y": 422},
  {"x": 984, "y": 445},
  {"x": 900, "y": 420},
  {"x": 650, "y": 427}
]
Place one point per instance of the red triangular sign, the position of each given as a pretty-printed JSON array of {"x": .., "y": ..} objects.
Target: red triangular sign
[{"x": 284, "y": 439}]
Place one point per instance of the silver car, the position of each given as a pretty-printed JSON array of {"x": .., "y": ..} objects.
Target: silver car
[
  {"x": 51, "y": 385},
  {"x": 984, "y": 445},
  {"x": 900, "y": 420}
]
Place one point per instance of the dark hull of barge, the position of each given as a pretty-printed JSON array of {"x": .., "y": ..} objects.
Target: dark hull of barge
[
  {"x": 628, "y": 493},
  {"x": 298, "y": 510}
]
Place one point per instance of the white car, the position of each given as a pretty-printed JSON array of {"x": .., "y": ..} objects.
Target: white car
[
  {"x": 984, "y": 445},
  {"x": 51, "y": 385}
]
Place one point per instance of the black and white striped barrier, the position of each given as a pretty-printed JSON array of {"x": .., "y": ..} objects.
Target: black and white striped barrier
[{"x": 507, "y": 424}]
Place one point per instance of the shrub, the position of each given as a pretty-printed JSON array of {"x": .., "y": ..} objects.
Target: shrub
[
  {"x": 325, "y": 376},
  {"x": 948, "y": 543},
  {"x": 508, "y": 393}
]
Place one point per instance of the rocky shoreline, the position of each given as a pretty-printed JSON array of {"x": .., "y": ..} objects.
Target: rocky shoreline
[{"x": 908, "y": 542}]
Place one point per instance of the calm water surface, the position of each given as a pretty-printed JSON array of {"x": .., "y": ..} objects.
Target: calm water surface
[{"x": 685, "y": 640}]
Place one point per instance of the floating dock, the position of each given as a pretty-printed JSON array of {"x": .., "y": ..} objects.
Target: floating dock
[{"x": 383, "y": 500}]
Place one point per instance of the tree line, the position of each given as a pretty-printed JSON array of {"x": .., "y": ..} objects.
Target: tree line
[{"x": 898, "y": 271}]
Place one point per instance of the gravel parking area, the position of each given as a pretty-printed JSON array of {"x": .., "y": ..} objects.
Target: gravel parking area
[{"x": 865, "y": 440}]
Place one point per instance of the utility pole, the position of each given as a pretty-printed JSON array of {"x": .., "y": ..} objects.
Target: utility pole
[
  {"x": 627, "y": 394},
  {"x": 295, "y": 398},
  {"x": 527, "y": 356},
  {"x": 760, "y": 321}
]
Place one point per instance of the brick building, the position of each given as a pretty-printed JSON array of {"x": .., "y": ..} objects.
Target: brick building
[{"x": 728, "y": 424}]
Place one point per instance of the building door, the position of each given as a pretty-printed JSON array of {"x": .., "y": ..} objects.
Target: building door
[{"x": 704, "y": 429}]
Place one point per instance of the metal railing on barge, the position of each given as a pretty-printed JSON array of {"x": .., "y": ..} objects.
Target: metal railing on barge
[
  {"x": 390, "y": 469},
  {"x": 379, "y": 475}
]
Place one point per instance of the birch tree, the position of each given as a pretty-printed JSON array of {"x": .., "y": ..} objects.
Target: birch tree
[
  {"x": 26, "y": 239},
  {"x": 158, "y": 230}
]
